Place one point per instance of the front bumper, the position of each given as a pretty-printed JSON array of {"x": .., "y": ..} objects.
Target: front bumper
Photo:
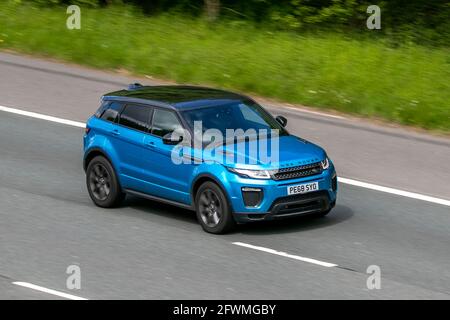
[
  {"x": 291, "y": 206},
  {"x": 277, "y": 204}
]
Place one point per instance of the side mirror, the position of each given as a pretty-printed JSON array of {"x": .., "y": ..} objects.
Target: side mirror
[
  {"x": 281, "y": 120},
  {"x": 171, "y": 139}
]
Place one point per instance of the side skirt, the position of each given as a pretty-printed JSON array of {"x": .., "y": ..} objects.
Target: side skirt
[{"x": 154, "y": 198}]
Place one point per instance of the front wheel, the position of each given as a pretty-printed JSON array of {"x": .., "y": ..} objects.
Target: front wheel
[{"x": 213, "y": 210}]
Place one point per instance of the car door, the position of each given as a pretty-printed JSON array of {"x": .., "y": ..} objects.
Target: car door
[
  {"x": 170, "y": 180},
  {"x": 133, "y": 126}
]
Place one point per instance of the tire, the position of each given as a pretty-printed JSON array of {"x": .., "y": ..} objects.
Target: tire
[
  {"x": 102, "y": 184},
  {"x": 213, "y": 209}
]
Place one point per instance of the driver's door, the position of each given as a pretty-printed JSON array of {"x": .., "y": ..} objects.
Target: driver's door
[{"x": 167, "y": 179}]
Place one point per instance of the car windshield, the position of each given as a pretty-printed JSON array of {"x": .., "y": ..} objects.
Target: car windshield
[{"x": 235, "y": 115}]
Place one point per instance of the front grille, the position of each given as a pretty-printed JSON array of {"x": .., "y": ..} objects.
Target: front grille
[{"x": 298, "y": 172}]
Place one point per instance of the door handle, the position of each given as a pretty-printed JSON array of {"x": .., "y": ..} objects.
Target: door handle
[
  {"x": 115, "y": 132},
  {"x": 150, "y": 144}
]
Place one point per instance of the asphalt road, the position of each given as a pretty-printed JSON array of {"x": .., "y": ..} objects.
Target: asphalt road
[{"x": 146, "y": 250}]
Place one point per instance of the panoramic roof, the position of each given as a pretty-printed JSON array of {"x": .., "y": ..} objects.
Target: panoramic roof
[{"x": 178, "y": 96}]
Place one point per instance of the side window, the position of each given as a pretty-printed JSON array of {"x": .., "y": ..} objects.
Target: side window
[
  {"x": 112, "y": 111},
  {"x": 135, "y": 117},
  {"x": 164, "y": 122}
]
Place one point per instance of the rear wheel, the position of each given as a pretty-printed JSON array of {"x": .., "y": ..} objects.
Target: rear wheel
[
  {"x": 102, "y": 183},
  {"x": 213, "y": 210}
]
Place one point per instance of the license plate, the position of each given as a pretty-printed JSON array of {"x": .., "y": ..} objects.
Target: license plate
[{"x": 303, "y": 188}]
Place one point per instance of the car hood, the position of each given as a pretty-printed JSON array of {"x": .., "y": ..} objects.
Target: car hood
[{"x": 292, "y": 151}]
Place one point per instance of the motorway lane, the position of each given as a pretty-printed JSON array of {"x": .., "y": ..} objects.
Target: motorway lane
[
  {"x": 149, "y": 250},
  {"x": 361, "y": 150}
]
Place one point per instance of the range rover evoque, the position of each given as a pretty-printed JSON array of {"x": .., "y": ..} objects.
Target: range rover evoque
[{"x": 129, "y": 144}]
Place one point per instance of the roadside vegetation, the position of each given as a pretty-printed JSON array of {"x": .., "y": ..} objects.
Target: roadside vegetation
[{"x": 369, "y": 73}]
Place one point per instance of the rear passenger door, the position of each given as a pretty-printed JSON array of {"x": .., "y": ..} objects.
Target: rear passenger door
[{"x": 133, "y": 125}]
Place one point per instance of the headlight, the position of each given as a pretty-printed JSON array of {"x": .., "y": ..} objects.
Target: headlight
[
  {"x": 255, "y": 174},
  {"x": 325, "y": 163}
]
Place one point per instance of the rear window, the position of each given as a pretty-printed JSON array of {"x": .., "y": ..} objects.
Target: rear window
[
  {"x": 102, "y": 108},
  {"x": 111, "y": 111}
]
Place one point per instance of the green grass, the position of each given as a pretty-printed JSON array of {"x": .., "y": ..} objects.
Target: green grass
[{"x": 408, "y": 84}]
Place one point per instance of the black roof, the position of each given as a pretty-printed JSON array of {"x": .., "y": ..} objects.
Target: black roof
[{"x": 176, "y": 96}]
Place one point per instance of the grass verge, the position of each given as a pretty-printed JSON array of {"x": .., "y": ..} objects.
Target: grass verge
[{"x": 408, "y": 84}]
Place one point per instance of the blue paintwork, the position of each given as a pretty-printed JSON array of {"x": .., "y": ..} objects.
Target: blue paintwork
[{"x": 143, "y": 163}]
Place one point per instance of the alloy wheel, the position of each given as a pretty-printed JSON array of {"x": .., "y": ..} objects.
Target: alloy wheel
[
  {"x": 100, "y": 182},
  {"x": 210, "y": 208}
]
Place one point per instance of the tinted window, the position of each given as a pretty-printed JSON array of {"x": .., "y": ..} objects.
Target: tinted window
[
  {"x": 112, "y": 111},
  {"x": 136, "y": 117},
  {"x": 236, "y": 115},
  {"x": 164, "y": 122}
]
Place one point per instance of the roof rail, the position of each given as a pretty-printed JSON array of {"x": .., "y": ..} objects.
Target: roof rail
[{"x": 134, "y": 86}]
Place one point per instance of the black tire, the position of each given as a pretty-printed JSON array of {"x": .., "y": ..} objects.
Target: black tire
[
  {"x": 213, "y": 209},
  {"x": 102, "y": 184}
]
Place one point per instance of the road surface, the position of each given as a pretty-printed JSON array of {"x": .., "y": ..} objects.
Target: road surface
[{"x": 147, "y": 250}]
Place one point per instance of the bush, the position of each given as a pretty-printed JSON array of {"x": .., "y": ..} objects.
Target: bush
[{"x": 422, "y": 21}]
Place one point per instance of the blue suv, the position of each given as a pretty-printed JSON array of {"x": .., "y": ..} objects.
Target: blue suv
[{"x": 131, "y": 140}]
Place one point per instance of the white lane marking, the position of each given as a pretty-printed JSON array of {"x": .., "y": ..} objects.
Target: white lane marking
[
  {"x": 43, "y": 117},
  {"x": 315, "y": 112},
  {"x": 49, "y": 291},
  {"x": 287, "y": 255},
  {"x": 394, "y": 191},
  {"x": 342, "y": 180}
]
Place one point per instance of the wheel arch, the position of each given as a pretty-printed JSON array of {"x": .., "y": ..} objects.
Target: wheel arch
[
  {"x": 94, "y": 152},
  {"x": 198, "y": 181}
]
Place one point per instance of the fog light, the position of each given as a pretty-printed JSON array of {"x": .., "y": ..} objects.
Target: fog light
[{"x": 252, "y": 196}]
